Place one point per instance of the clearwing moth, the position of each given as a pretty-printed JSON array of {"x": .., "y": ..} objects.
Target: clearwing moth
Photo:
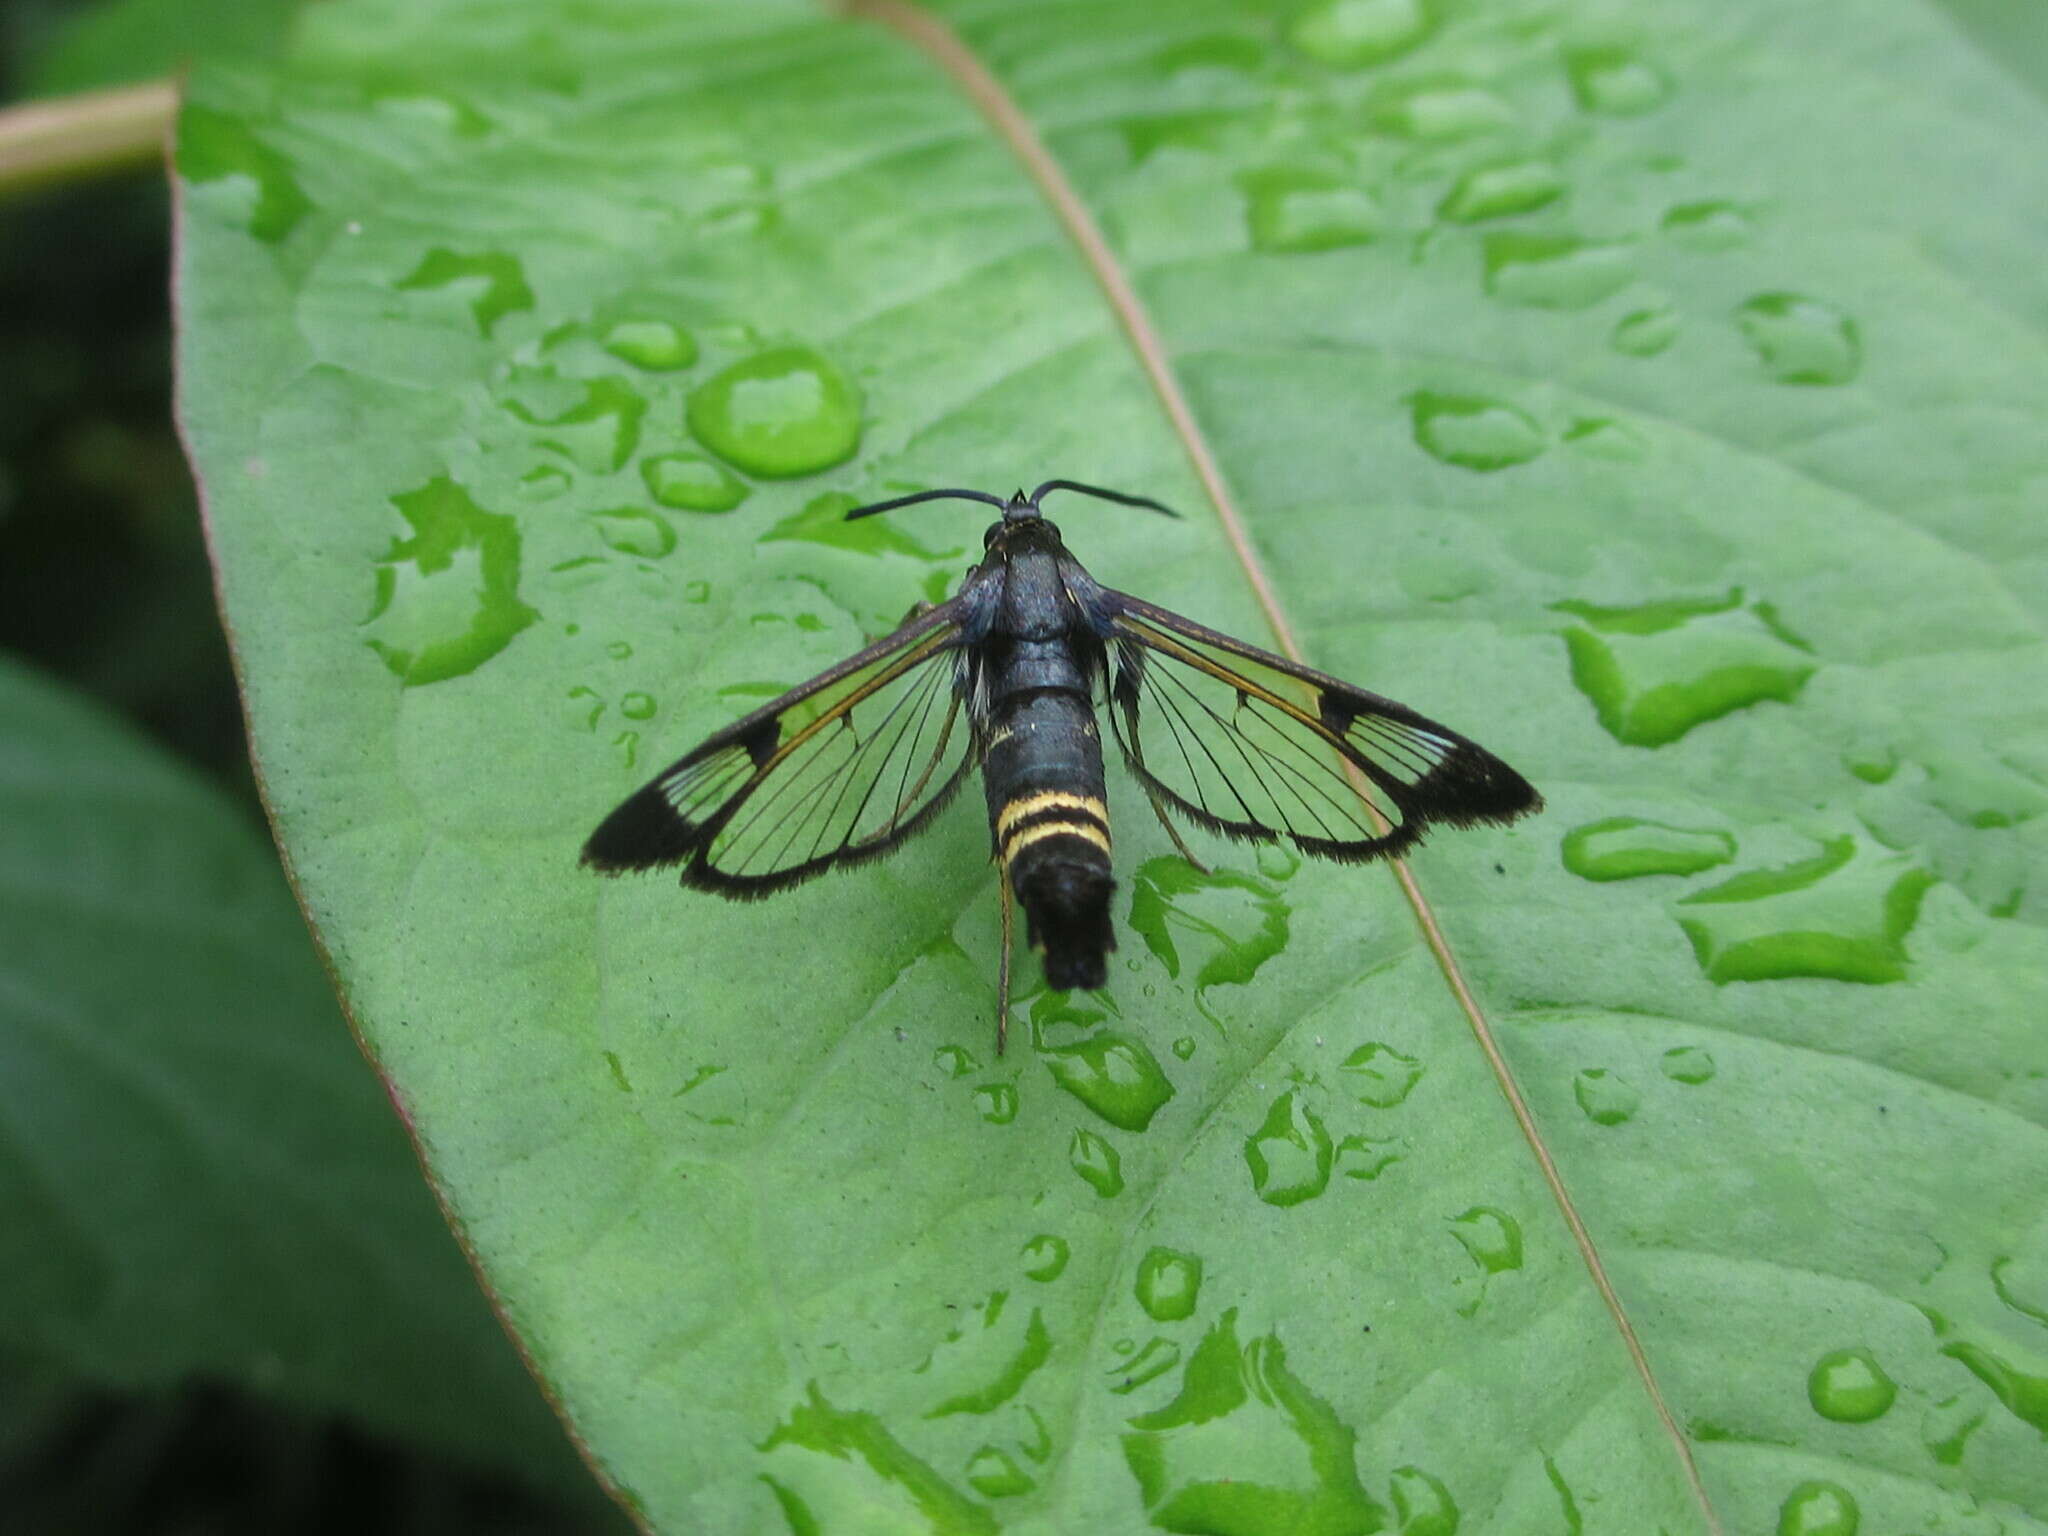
[{"x": 1006, "y": 676}]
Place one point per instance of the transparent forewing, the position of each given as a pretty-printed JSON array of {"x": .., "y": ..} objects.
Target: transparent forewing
[
  {"x": 1251, "y": 745},
  {"x": 841, "y": 769}
]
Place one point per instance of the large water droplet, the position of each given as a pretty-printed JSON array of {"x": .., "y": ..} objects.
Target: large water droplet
[
  {"x": 1439, "y": 110},
  {"x": 1604, "y": 1098},
  {"x": 1380, "y": 1075},
  {"x": 494, "y": 279},
  {"x": 1348, "y": 34},
  {"x": 257, "y": 185},
  {"x": 1098, "y": 1164},
  {"x": 1946, "y": 1427},
  {"x": 1045, "y": 1257},
  {"x": 1362, "y": 1157},
  {"x": 994, "y": 1474},
  {"x": 1499, "y": 191},
  {"x": 1247, "y": 1448},
  {"x": 637, "y": 706},
  {"x": 544, "y": 482},
  {"x": 1712, "y": 226},
  {"x": 1223, "y": 925},
  {"x": 447, "y": 599},
  {"x": 1687, "y": 1064},
  {"x": 1555, "y": 271},
  {"x": 1843, "y": 914},
  {"x": 1657, "y": 670},
  {"x": 2024, "y": 1393},
  {"x": 1493, "y": 1240},
  {"x": 996, "y": 1102},
  {"x": 1645, "y": 332},
  {"x": 1114, "y": 1075},
  {"x": 986, "y": 1361},
  {"x": 1422, "y": 1504},
  {"x": 1473, "y": 432},
  {"x": 1303, "y": 210},
  {"x": 1819, "y": 1508},
  {"x": 780, "y": 413},
  {"x": 1629, "y": 848},
  {"x": 1615, "y": 81},
  {"x": 955, "y": 1061},
  {"x": 1168, "y": 1284},
  {"x": 653, "y": 344},
  {"x": 635, "y": 531},
  {"x": 1801, "y": 340},
  {"x": 600, "y": 428},
  {"x": 1850, "y": 1387},
  {"x": 1290, "y": 1154}
]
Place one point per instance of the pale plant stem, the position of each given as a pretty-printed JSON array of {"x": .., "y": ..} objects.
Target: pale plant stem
[{"x": 75, "y": 138}]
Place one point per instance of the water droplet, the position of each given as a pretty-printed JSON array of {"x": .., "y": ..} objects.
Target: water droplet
[
  {"x": 997, "y": 1103},
  {"x": 1819, "y": 1508},
  {"x": 697, "y": 592},
  {"x": 1605, "y": 1098},
  {"x": 1247, "y": 1447},
  {"x": 1159, "y": 1356},
  {"x": 1168, "y": 1284},
  {"x": 1276, "y": 861},
  {"x": 1713, "y": 226},
  {"x": 690, "y": 482},
  {"x": 494, "y": 280},
  {"x": 1096, "y": 1161},
  {"x": 1605, "y": 438},
  {"x": 1304, "y": 210},
  {"x": 656, "y": 345},
  {"x": 993, "y": 1475},
  {"x": 1380, "y": 1075},
  {"x": 586, "y": 707},
  {"x": 1116, "y": 1076},
  {"x": 1290, "y": 1154},
  {"x": 871, "y": 1467},
  {"x": 1361, "y": 1157},
  {"x": 1615, "y": 81},
  {"x": 1493, "y": 1240},
  {"x": 1422, "y": 1504},
  {"x": 1184, "y": 1047},
  {"x": 1144, "y": 136},
  {"x": 823, "y": 521},
  {"x": 1555, "y": 271},
  {"x": 986, "y": 1361},
  {"x": 544, "y": 483},
  {"x": 447, "y": 599},
  {"x": 1498, "y": 191},
  {"x": 955, "y": 1061},
  {"x": 1850, "y": 1387},
  {"x": 780, "y": 413},
  {"x": 618, "y": 1070},
  {"x": 619, "y": 650},
  {"x": 1657, "y": 670},
  {"x": 1946, "y": 1427},
  {"x": 1801, "y": 340},
  {"x": 1223, "y": 924},
  {"x": 1439, "y": 111},
  {"x": 1645, "y": 332},
  {"x": 2023, "y": 1393},
  {"x": 635, "y": 531},
  {"x": 1045, "y": 1257},
  {"x": 1687, "y": 1064},
  {"x": 599, "y": 431},
  {"x": 1628, "y": 848},
  {"x": 627, "y": 744},
  {"x": 1347, "y": 34},
  {"x": 1843, "y": 914},
  {"x": 259, "y": 186},
  {"x": 637, "y": 706},
  {"x": 1474, "y": 433}
]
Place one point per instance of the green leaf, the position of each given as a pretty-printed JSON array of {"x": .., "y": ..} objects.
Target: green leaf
[
  {"x": 119, "y": 41},
  {"x": 1711, "y": 501},
  {"x": 199, "y": 1176}
]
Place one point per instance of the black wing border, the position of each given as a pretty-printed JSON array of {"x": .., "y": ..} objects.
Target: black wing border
[
  {"x": 1469, "y": 786},
  {"x": 646, "y": 831}
]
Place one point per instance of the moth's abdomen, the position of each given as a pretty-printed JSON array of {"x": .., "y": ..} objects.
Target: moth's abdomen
[{"x": 1051, "y": 830}]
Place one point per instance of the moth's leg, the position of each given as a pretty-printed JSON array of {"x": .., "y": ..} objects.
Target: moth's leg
[
  {"x": 918, "y": 610},
  {"x": 1003, "y": 969},
  {"x": 1174, "y": 832}
]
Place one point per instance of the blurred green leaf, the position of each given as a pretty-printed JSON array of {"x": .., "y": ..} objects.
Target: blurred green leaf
[
  {"x": 1658, "y": 394},
  {"x": 117, "y": 42}
]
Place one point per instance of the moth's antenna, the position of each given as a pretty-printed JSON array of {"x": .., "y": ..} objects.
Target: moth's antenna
[
  {"x": 903, "y": 501},
  {"x": 1120, "y": 497}
]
